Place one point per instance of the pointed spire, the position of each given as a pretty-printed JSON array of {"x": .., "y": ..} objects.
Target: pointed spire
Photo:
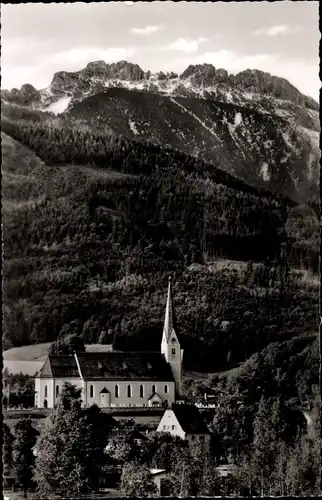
[{"x": 169, "y": 319}]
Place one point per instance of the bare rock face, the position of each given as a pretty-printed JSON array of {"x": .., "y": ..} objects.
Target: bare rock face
[
  {"x": 29, "y": 93},
  {"x": 125, "y": 71},
  {"x": 260, "y": 81},
  {"x": 26, "y": 96},
  {"x": 162, "y": 76},
  {"x": 96, "y": 69},
  {"x": 204, "y": 74},
  {"x": 64, "y": 82}
]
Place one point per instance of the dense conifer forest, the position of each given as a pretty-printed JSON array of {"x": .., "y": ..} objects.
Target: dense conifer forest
[{"x": 95, "y": 223}]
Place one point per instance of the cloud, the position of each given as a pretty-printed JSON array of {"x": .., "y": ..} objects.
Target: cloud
[
  {"x": 84, "y": 55},
  {"x": 232, "y": 61},
  {"x": 186, "y": 45},
  {"x": 40, "y": 72},
  {"x": 281, "y": 29},
  {"x": 148, "y": 30},
  {"x": 19, "y": 50}
]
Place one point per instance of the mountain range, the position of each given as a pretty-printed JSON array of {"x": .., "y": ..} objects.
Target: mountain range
[{"x": 252, "y": 125}]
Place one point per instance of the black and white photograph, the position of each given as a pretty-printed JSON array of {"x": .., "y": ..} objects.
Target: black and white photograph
[{"x": 160, "y": 250}]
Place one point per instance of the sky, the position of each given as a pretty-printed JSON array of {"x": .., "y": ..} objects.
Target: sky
[{"x": 280, "y": 37}]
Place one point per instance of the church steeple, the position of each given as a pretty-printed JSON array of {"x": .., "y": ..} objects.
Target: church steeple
[
  {"x": 170, "y": 345},
  {"x": 169, "y": 320}
]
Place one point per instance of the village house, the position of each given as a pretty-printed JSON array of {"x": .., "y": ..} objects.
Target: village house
[
  {"x": 117, "y": 379},
  {"x": 158, "y": 476},
  {"x": 186, "y": 422}
]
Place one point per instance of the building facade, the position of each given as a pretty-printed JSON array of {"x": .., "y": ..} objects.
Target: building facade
[
  {"x": 185, "y": 421},
  {"x": 117, "y": 379}
]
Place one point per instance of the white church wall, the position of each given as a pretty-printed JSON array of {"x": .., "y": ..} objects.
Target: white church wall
[
  {"x": 53, "y": 395},
  {"x": 135, "y": 399},
  {"x": 51, "y": 384},
  {"x": 45, "y": 392}
]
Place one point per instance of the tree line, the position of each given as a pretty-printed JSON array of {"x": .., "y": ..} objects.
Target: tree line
[{"x": 75, "y": 445}]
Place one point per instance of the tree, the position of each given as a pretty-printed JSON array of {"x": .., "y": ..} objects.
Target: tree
[
  {"x": 122, "y": 447},
  {"x": 303, "y": 469},
  {"x": 19, "y": 389},
  {"x": 266, "y": 441},
  {"x": 205, "y": 480},
  {"x": 8, "y": 440},
  {"x": 232, "y": 428},
  {"x": 137, "y": 481},
  {"x": 70, "y": 451},
  {"x": 69, "y": 344},
  {"x": 23, "y": 452}
]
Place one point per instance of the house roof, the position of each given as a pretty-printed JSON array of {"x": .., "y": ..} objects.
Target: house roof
[
  {"x": 59, "y": 366},
  {"x": 124, "y": 366},
  {"x": 108, "y": 366},
  {"x": 190, "y": 419}
]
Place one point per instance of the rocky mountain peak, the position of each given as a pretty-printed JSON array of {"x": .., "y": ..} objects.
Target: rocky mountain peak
[
  {"x": 95, "y": 68},
  {"x": 204, "y": 74},
  {"x": 249, "y": 86},
  {"x": 64, "y": 82},
  {"x": 124, "y": 70},
  {"x": 262, "y": 82},
  {"x": 96, "y": 65},
  {"x": 26, "y": 96}
]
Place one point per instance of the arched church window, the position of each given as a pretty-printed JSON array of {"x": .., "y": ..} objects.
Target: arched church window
[
  {"x": 46, "y": 391},
  {"x": 166, "y": 389},
  {"x": 117, "y": 391},
  {"x": 91, "y": 391},
  {"x": 154, "y": 389},
  {"x": 57, "y": 390},
  {"x": 45, "y": 403},
  {"x": 141, "y": 391},
  {"x": 173, "y": 350},
  {"x": 129, "y": 391}
]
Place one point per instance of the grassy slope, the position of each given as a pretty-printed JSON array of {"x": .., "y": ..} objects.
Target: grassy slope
[
  {"x": 38, "y": 352},
  {"x": 27, "y": 353}
]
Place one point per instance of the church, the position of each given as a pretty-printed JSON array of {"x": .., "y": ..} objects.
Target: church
[{"x": 117, "y": 379}]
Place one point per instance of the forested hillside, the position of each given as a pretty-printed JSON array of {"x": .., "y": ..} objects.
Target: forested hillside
[{"x": 94, "y": 223}]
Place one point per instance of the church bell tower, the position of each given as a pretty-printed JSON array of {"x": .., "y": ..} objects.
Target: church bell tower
[{"x": 170, "y": 346}]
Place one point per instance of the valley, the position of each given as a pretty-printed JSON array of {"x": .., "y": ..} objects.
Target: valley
[
  {"x": 128, "y": 185},
  {"x": 161, "y": 250}
]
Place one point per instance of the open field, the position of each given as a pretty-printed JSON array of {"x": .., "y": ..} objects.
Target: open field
[
  {"x": 29, "y": 359},
  {"x": 35, "y": 352}
]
